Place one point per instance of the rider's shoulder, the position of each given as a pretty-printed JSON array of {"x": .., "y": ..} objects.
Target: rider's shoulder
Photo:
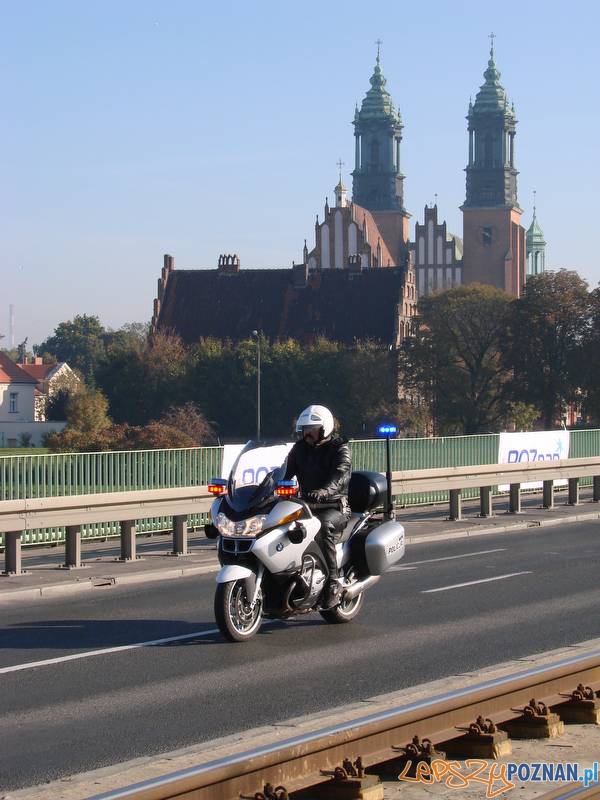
[{"x": 339, "y": 441}]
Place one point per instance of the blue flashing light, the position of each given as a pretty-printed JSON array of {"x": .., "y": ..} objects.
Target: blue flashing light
[
  {"x": 387, "y": 430},
  {"x": 291, "y": 483}
]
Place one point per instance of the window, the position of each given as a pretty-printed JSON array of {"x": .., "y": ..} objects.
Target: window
[
  {"x": 13, "y": 405},
  {"x": 374, "y": 152},
  {"x": 487, "y": 235}
]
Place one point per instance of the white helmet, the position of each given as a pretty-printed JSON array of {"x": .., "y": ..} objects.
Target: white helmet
[{"x": 316, "y": 415}]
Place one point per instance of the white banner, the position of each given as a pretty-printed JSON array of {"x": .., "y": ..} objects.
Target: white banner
[
  {"x": 531, "y": 446},
  {"x": 257, "y": 463}
]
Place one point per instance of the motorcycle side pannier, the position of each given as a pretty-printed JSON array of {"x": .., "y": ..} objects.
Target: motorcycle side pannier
[
  {"x": 373, "y": 550},
  {"x": 384, "y": 546}
]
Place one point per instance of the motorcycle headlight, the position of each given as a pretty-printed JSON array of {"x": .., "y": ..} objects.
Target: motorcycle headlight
[
  {"x": 243, "y": 527},
  {"x": 225, "y": 526}
]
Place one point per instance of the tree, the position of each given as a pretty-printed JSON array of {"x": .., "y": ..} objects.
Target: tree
[
  {"x": 63, "y": 387},
  {"x": 87, "y": 412},
  {"x": 191, "y": 422},
  {"x": 453, "y": 363},
  {"x": 80, "y": 342},
  {"x": 155, "y": 436},
  {"x": 545, "y": 342},
  {"x": 590, "y": 375},
  {"x": 142, "y": 379}
]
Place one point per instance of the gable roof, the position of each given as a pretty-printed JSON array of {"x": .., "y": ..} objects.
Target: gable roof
[
  {"x": 339, "y": 304},
  {"x": 11, "y": 372},
  {"x": 41, "y": 372},
  {"x": 375, "y": 235}
]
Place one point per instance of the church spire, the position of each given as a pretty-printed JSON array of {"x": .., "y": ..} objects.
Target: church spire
[
  {"x": 377, "y": 180},
  {"x": 341, "y": 200},
  {"x": 535, "y": 245},
  {"x": 491, "y": 172}
]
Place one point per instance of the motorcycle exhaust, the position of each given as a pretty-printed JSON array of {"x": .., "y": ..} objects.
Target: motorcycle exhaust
[{"x": 360, "y": 586}]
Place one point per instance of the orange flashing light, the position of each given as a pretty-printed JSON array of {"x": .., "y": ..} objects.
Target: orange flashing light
[
  {"x": 216, "y": 489},
  {"x": 286, "y": 491}
]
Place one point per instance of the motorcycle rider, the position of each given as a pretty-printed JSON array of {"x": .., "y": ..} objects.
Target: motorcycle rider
[{"x": 322, "y": 465}]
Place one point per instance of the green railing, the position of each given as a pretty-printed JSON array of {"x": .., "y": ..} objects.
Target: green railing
[{"x": 91, "y": 473}]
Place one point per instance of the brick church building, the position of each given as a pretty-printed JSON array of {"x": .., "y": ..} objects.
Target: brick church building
[
  {"x": 357, "y": 282},
  {"x": 363, "y": 276}
]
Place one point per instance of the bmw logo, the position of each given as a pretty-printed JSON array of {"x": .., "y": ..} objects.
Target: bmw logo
[{"x": 279, "y": 547}]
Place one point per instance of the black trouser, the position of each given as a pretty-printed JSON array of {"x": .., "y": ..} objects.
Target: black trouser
[{"x": 333, "y": 523}]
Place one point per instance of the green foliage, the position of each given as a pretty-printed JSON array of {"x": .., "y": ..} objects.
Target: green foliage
[
  {"x": 144, "y": 378},
  {"x": 87, "y": 412},
  {"x": 545, "y": 345},
  {"x": 454, "y": 362},
  {"x": 352, "y": 381},
  {"x": 84, "y": 343},
  {"x": 523, "y": 416},
  {"x": 189, "y": 420},
  {"x": 79, "y": 342},
  {"x": 590, "y": 372}
]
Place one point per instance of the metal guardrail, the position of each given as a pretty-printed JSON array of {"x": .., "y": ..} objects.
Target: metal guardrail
[
  {"x": 73, "y": 511},
  {"x": 62, "y": 474},
  {"x": 298, "y": 762}
]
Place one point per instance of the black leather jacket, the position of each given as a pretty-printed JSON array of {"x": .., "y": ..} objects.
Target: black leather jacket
[{"x": 327, "y": 466}]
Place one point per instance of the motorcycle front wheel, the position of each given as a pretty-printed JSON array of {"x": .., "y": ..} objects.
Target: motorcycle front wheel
[
  {"x": 235, "y": 617},
  {"x": 344, "y": 611}
]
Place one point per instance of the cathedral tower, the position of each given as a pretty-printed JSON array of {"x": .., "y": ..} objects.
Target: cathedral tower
[
  {"x": 493, "y": 238},
  {"x": 535, "y": 245},
  {"x": 377, "y": 182}
]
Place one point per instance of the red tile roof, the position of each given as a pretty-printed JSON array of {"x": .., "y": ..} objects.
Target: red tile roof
[
  {"x": 12, "y": 373},
  {"x": 38, "y": 371}
]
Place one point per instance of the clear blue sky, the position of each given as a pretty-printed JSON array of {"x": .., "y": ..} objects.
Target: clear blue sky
[{"x": 136, "y": 128}]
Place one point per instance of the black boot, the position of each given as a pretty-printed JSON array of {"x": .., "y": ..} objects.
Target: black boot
[{"x": 331, "y": 593}]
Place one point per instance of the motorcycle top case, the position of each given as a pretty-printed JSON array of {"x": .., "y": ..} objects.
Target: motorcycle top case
[{"x": 384, "y": 547}]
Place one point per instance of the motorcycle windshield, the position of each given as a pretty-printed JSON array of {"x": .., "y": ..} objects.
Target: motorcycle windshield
[{"x": 254, "y": 475}]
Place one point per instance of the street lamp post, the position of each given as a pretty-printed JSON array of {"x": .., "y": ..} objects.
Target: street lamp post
[{"x": 256, "y": 335}]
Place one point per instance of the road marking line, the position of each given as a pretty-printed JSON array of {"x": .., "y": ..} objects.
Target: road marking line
[
  {"x": 472, "y": 583},
  {"x": 105, "y": 651},
  {"x": 450, "y": 558}
]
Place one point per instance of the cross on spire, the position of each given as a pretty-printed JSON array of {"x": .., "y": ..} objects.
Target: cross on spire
[
  {"x": 378, "y": 43},
  {"x": 340, "y": 164},
  {"x": 534, "y": 194},
  {"x": 492, "y": 37}
]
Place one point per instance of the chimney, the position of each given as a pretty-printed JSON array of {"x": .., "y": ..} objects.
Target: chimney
[
  {"x": 229, "y": 264},
  {"x": 38, "y": 360},
  {"x": 355, "y": 263},
  {"x": 299, "y": 276}
]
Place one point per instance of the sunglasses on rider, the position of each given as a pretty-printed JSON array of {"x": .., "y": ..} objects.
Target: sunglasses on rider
[{"x": 310, "y": 429}]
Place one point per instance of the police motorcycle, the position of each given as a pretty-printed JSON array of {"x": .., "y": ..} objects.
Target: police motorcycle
[{"x": 271, "y": 565}]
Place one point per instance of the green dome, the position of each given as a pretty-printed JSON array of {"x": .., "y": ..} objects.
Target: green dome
[
  {"x": 491, "y": 97},
  {"x": 534, "y": 236},
  {"x": 378, "y": 103}
]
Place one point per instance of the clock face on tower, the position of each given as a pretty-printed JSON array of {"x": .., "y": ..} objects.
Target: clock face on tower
[{"x": 487, "y": 235}]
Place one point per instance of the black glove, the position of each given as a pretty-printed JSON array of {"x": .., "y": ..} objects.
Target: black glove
[{"x": 317, "y": 496}]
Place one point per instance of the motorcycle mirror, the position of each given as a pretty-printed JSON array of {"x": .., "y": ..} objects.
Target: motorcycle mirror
[{"x": 210, "y": 531}]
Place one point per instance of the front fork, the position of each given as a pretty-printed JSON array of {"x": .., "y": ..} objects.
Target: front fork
[{"x": 253, "y": 585}]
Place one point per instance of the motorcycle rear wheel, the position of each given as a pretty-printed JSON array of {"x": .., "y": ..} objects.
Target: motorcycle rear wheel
[
  {"x": 236, "y": 620},
  {"x": 344, "y": 611}
]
